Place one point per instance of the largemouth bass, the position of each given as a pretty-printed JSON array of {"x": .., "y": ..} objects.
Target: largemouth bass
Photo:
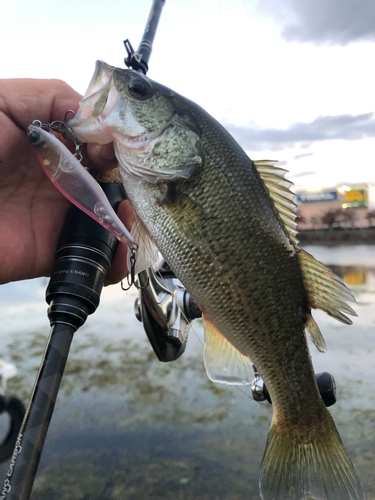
[{"x": 225, "y": 225}]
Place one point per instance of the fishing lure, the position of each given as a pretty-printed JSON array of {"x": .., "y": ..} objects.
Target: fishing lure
[{"x": 74, "y": 181}]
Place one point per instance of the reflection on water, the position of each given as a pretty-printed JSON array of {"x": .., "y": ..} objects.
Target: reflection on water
[
  {"x": 355, "y": 275},
  {"x": 127, "y": 426}
]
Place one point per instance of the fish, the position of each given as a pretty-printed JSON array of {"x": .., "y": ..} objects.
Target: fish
[{"x": 226, "y": 227}]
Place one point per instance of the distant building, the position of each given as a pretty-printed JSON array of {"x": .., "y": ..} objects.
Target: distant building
[{"x": 343, "y": 206}]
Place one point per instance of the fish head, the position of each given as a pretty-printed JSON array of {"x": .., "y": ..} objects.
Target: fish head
[
  {"x": 154, "y": 137},
  {"x": 146, "y": 107}
]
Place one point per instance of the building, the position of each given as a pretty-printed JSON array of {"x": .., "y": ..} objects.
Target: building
[{"x": 342, "y": 206}]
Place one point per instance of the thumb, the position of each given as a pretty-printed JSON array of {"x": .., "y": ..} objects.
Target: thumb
[{"x": 102, "y": 156}]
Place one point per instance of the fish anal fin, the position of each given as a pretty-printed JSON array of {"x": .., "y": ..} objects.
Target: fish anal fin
[
  {"x": 315, "y": 334},
  {"x": 223, "y": 362}
]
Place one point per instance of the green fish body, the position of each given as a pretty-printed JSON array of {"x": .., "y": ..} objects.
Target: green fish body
[{"x": 225, "y": 225}]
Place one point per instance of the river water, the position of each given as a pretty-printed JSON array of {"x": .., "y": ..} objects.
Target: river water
[{"x": 126, "y": 426}]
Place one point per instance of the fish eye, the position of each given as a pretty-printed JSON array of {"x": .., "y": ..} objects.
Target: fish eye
[
  {"x": 139, "y": 88},
  {"x": 35, "y": 139}
]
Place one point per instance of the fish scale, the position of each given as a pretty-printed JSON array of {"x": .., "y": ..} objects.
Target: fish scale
[
  {"x": 246, "y": 269},
  {"x": 225, "y": 225}
]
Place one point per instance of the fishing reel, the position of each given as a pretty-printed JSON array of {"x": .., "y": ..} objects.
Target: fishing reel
[
  {"x": 166, "y": 310},
  {"x": 325, "y": 382},
  {"x": 12, "y": 406}
]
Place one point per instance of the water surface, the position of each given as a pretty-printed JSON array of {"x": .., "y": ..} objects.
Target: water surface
[{"x": 126, "y": 426}]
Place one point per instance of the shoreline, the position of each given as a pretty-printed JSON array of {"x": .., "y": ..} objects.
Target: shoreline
[{"x": 337, "y": 235}]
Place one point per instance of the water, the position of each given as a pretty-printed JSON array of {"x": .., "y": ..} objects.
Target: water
[{"x": 126, "y": 426}]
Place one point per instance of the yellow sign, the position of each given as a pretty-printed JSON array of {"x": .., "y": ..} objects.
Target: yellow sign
[
  {"x": 356, "y": 278},
  {"x": 356, "y": 198}
]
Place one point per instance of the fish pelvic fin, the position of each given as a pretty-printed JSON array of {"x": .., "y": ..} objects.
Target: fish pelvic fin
[
  {"x": 223, "y": 362},
  {"x": 324, "y": 289},
  {"x": 312, "y": 467}
]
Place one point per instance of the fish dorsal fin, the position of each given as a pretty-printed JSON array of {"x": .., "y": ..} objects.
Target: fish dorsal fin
[
  {"x": 282, "y": 197},
  {"x": 324, "y": 289},
  {"x": 147, "y": 254},
  {"x": 223, "y": 362}
]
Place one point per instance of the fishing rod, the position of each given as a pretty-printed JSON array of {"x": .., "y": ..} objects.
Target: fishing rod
[
  {"x": 164, "y": 307},
  {"x": 139, "y": 60},
  {"x": 84, "y": 256}
]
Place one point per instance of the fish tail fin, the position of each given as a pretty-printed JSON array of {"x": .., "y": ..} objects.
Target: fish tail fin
[{"x": 299, "y": 467}]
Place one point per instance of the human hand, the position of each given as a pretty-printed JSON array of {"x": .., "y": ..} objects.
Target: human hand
[{"x": 32, "y": 209}]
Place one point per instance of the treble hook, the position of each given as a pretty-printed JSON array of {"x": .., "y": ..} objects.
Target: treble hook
[
  {"x": 131, "y": 281},
  {"x": 66, "y": 114}
]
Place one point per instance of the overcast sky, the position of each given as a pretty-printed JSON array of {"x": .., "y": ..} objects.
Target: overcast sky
[{"x": 292, "y": 80}]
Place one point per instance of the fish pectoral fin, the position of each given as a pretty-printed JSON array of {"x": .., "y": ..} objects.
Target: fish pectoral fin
[
  {"x": 147, "y": 255},
  {"x": 223, "y": 362},
  {"x": 325, "y": 290}
]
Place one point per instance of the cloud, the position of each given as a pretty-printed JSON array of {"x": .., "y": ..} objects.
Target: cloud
[
  {"x": 323, "y": 21},
  {"x": 302, "y": 174},
  {"x": 323, "y": 128},
  {"x": 304, "y": 155}
]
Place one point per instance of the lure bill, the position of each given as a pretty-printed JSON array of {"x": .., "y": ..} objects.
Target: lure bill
[{"x": 74, "y": 182}]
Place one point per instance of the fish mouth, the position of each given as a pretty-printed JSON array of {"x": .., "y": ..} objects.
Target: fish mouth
[{"x": 96, "y": 128}]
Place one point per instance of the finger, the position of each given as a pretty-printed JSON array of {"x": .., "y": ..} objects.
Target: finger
[
  {"x": 25, "y": 100},
  {"x": 102, "y": 156}
]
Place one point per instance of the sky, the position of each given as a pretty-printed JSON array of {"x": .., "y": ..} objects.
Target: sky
[{"x": 291, "y": 80}]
